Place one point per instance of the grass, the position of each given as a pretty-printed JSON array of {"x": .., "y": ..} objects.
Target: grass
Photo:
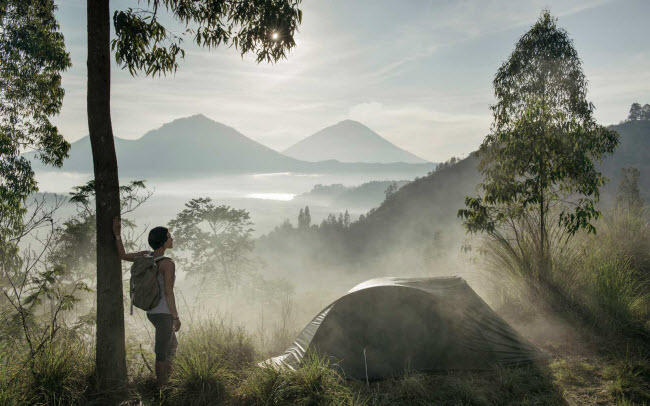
[
  {"x": 628, "y": 381},
  {"x": 58, "y": 375},
  {"x": 61, "y": 374},
  {"x": 313, "y": 384},
  {"x": 529, "y": 385},
  {"x": 216, "y": 365},
  {"x": 213, "y": 355},
  {"x": 602, "y": 280}
]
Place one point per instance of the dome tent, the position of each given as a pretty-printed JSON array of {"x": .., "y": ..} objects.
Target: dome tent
[{"x": 387, "y": 325}]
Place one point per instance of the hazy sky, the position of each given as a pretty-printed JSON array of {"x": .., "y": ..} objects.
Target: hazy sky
[{"x": 417, "y": 72}]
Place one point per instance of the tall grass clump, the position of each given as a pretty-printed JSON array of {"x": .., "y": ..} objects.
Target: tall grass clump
[
  {"x": 528, "y": 281},
  {"x": 11, "y": 393},
  {"x": 615, "y": 293},
  {"x": 212, "y": 354},
  {"x": 603, "y": 278},
  {"x": 60, "y": 374},
  {"x": 315, "y": 383},
  {"x": 613, "y": 269}
]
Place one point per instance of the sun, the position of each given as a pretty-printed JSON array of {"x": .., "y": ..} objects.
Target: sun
[{"x": 274, "y": 35}]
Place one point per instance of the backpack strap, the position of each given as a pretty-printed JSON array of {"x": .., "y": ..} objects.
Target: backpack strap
[{"x": 160, "y": 258}]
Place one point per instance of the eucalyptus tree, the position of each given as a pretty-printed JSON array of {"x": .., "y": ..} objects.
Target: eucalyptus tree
[
  {"x": 32, "y": 58},
  {"x": 544, "y": 142},
  {"x": 144, "y": 44}
]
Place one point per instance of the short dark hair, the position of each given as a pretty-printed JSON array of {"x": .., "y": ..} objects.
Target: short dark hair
[{"x": 157, "y": 237}]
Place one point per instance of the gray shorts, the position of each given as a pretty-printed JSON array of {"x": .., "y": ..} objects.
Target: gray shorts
[{"x": 166, "y": 343}]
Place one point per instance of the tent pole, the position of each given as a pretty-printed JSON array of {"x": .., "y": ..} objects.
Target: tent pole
[{"x": 365, "y": 361}]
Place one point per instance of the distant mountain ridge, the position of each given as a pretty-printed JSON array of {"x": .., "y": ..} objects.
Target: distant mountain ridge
[
  {"x": 197, "y": 145},
  {"x": 349, "y": 141},
  {"x": 366, "y": 195}
]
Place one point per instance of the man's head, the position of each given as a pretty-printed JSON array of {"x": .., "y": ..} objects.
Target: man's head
[{"x": 160, "y": 237}]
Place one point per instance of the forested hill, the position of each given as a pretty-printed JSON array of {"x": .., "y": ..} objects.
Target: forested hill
[
  {"x": 366, "y": 195},
  {"x": 427, "y": 204},
  {"x": 634, "y": 151}
]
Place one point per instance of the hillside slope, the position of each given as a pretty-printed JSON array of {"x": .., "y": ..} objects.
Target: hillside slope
[{"x": 426, "y": 205}]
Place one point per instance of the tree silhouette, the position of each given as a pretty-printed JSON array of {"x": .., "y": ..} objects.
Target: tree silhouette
[
  {"x": 639, "y": 113},
  {"x": 629, "y": 195},
  {"x": 218, "y": 239},
  {"x": 635, "y": 112},
  {"x": 544, "y": 140}
]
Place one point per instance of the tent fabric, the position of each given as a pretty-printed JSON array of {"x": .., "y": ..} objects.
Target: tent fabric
[{"x": 386, "y": 326}]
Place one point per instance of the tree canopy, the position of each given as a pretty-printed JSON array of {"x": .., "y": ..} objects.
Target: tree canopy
[
  {"x": 263, "y": 27},
  {"x": 32, "y": 57},
  {"x": 544, "y": 142},
  {"x": 639, "y": 113}
]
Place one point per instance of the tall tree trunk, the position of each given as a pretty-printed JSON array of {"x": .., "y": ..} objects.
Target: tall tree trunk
[
  {"x": 542, "y": 226},
  {"x": 110, "y": 352},
  {"x": 542, "y": 231}
]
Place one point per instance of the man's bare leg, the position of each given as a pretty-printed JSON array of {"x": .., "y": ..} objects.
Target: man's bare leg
[{"x": 163, "y": 370}]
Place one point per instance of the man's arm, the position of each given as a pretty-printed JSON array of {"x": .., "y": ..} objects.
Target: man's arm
[
  {"x": 117, "y": 230},
  {"x": 169, "y": 272}
]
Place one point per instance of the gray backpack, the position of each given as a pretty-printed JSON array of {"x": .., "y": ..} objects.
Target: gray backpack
[{"x": 144, "y": 288}]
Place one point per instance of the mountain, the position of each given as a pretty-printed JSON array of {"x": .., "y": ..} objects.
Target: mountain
[
  {"x": 197, "y": 145},
  {"x": 349, "y": 141},
  {"x": 188, "y": 145}
]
